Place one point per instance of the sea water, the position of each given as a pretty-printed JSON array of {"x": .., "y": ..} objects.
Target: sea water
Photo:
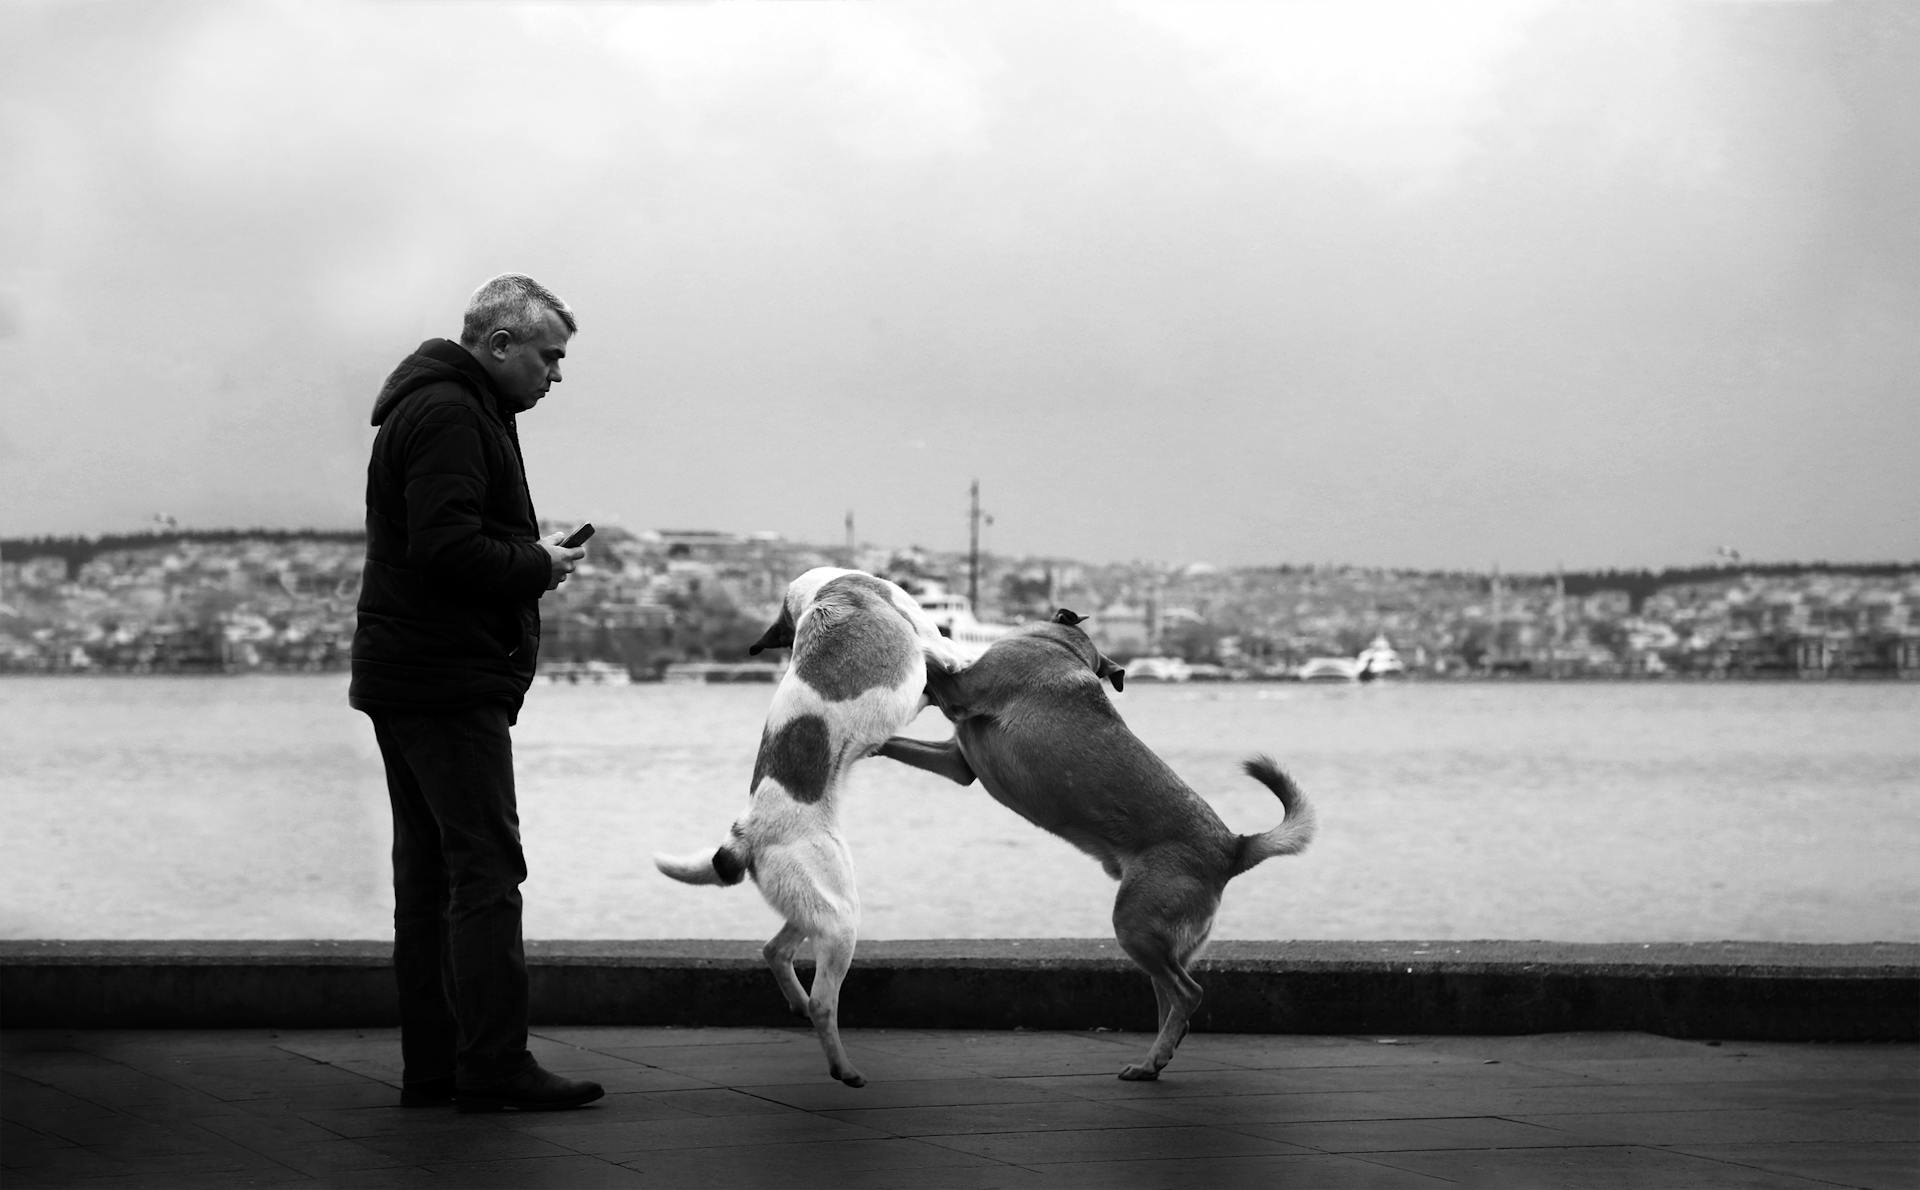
[{"x": 254, "y": 807}]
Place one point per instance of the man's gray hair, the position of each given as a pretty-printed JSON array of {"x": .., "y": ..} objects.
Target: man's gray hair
[{"x": 512, "y": 302}]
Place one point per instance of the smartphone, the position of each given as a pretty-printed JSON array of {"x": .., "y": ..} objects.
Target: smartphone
[{"x": 578, "y": 536}]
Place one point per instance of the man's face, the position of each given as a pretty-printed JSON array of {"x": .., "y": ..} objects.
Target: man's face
[{"x": 523, "y": 369}]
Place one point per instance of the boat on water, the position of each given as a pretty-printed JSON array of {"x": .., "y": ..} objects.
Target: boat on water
[
  {"x": 1328, "y": 669},
  {"x": 583, "y": 673},
  {"x": 710, "y": 672},
  {"x": 1377, "y": 660},
  {"x": 952, "y": 613},
  {"x": 1159, "y": 669}
]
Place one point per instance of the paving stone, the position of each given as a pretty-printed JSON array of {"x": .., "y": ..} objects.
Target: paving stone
[
  {"x": 993, "y": 1117},
  {"x": 43, "y": 1108},
  {"x": 328, "y": 1159},
  {"x": 791, "y": 1062},
  {"x": 1026, "y": 1053},
  {"x": 935, "y": 1092},
  {"x": 1873, "y": 1166},
  {"x": 1287, "y": 1052},
  {"x": 605, "y": 1132},
  {"x": 879, "y": 1162},
  {"x": 534, "y": 1173},
  {"x": 1236, "y": 1110},
  {"x": 1112, "y": 1144},
  {"x": 473, "y": 1143},
  {"x": 1399, "y": 1136},
  {"x": 613, "y": 1038},
  {"x": 1594, "y": 1168},
  {"x": 1172, "y": 1084},
  {"x": 754, "y": 1107},
  {"x": 719, "y": 1102},
  {"x": 1723, "y": 1126},
  {"x": 265, "y": 1131},
  {"x": 1239, "y": 1173}
]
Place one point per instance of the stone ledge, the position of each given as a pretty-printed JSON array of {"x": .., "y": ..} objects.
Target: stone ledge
[{"x": 1744, "y": 990}]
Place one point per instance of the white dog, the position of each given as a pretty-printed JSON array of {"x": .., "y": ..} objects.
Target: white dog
[{"x": 862, "y": 649}]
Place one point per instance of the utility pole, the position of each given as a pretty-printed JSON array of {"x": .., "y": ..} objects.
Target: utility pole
[
  {"x": 1493, "y": 650},
  {"x": 850, "y": 557},
  {"x": 973, "y": 548},
  {"x": 1559, "y": 617}
]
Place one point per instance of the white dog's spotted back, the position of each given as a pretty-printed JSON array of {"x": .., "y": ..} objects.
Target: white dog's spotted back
[
  {"x": 857, "y": 676},
  {"x": 858, "y": 671}
]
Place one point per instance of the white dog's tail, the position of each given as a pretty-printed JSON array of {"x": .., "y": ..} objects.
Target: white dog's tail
[
  {"x": 726, "y": 864},
  {"x": 1295, "y": 830}
]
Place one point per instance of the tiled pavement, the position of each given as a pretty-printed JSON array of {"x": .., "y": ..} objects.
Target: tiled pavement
[{"x": 754, "y": 1107}]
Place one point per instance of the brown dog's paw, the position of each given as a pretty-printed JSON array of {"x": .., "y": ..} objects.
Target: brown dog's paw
[{"x": 1140, "y": 1072}]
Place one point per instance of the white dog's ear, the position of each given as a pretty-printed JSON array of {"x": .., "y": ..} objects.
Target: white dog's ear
[{"x": 779, "y": 636}]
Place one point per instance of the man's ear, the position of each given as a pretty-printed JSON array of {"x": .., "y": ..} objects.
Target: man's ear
[{"x": 498, "y": 342}]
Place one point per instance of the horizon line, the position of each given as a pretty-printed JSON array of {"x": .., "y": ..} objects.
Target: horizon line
[{"x": 1738, "y": 563}]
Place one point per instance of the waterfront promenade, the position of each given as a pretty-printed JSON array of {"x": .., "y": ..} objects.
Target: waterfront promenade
[
  {"x": 1365, "y": 1064},
  {"x": 752, "y": 1107}
]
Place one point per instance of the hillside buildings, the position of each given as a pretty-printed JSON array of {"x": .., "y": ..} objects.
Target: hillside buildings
[{"x": 645, "y": 601}]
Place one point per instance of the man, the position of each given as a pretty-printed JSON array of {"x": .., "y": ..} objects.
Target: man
[{"x": 443, "y": 653}]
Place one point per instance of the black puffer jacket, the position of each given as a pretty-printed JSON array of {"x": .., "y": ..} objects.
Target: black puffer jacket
[{"x": 450, "y": 595}]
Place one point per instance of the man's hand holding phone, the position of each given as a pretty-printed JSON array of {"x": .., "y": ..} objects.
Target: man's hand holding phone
[{"x": 564, "y": 551}]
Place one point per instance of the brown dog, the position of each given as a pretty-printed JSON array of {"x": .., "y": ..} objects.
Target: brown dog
[{"x": 1031, "y": 721}]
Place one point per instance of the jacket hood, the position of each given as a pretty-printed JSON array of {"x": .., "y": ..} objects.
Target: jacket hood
[{"x": 435, "y": 361}]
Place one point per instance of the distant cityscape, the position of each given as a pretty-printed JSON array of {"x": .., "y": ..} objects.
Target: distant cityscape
[{"x": 647, "y": 605}]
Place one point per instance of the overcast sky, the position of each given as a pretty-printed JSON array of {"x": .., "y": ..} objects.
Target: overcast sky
[{"x": 1416, "y": 284}]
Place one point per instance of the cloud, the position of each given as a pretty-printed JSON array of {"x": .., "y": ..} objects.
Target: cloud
[
  {"x": 879, "y": 81},
  {"x": 1156, "y": 273}
]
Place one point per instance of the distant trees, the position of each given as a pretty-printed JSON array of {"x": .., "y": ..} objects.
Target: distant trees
[{"x": 708, "y": 625}]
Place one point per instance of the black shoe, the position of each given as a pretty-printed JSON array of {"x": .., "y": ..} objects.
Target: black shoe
[
  {"x": 433, "y": 1092},
  {"x": 533, "y": 1089}
]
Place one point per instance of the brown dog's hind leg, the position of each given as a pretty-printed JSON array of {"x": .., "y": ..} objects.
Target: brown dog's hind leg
[
  {"x": 1181, "y": 994},
  {"x": 1161, "y": 923}
]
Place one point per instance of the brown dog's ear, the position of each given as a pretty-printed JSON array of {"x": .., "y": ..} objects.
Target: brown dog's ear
[
  {"x": 1067, "y": 616},
  {"x": 780, "y": 636},
  {"x": 1114, "y": 674}
]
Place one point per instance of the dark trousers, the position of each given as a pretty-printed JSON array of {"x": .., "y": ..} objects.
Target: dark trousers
[{"x": 457, "y": 867}]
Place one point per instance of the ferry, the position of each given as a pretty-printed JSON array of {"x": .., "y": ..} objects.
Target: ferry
[
  {"x": 952, "y": 613},
  {"x": 1377, "y": 660}
]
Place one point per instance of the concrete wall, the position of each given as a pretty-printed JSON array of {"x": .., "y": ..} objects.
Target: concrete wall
[{"x": 1868, "y": 991}]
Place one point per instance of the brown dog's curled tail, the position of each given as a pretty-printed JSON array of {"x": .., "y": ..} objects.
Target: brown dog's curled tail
[{"x": 1295, "y": 830}]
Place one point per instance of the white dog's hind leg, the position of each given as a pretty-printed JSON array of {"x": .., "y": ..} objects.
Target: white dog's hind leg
[
  {"x": 810, "y": 882},
  {"x": 832, "y": 957},
  {"x": 778, "y": 952}
]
